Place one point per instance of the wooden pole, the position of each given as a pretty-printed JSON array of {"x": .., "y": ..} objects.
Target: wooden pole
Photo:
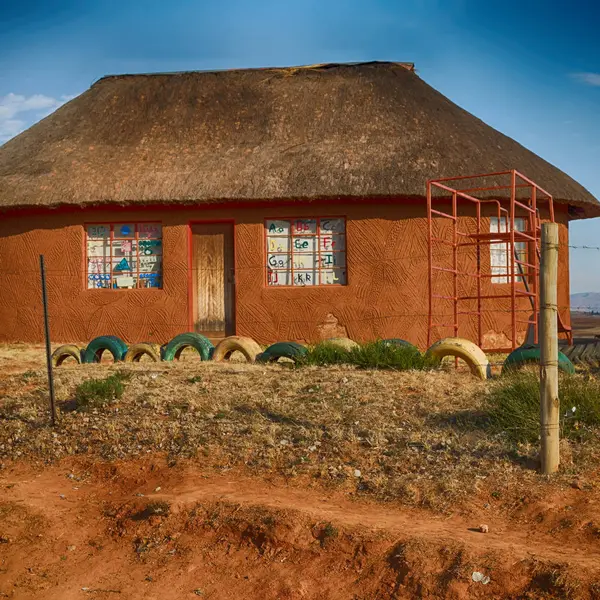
[
  {"x": 549, "y": 402},
  {"x": 48, "y": 348}
]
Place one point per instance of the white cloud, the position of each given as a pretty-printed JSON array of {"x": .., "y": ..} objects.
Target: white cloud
[
  {"x": 17, "y": 112},
  {"x": 587, "y": 78}
]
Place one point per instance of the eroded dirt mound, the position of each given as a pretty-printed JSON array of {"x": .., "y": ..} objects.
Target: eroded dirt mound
[{"x": 140, "y": 529}]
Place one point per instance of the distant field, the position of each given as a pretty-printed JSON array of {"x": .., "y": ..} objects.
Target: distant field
[{"x": 585, "y": 325}]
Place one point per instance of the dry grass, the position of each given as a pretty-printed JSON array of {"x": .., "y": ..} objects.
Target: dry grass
[{"x": 412, "y": 436}]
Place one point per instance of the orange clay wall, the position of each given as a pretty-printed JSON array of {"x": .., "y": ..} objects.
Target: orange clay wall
[{"x": 386, "y": 295}]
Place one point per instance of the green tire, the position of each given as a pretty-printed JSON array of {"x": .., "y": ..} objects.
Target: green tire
[
  {"x": 401, "y": 343},
  {"x": 105, "y": 343},
  {"x": 531, "y": 354},
  {"x": 173, "y": 350},
  {"x": 290, "y": 350}
]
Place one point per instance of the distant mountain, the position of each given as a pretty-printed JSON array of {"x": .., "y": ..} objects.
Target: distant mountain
[{"x": 586, "y": 302}]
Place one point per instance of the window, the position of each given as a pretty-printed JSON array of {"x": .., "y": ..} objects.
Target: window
[
  {"x": 306, "y": 252},
  {"x": 124, "y": 255},
  {"x": 501, "y": 261}
]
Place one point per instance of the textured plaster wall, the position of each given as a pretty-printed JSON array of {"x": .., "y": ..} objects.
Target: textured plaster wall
[{"x": 386, "y": 295}]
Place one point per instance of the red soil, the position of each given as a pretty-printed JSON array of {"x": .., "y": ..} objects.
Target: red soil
[{"x": 140, "y": 529}]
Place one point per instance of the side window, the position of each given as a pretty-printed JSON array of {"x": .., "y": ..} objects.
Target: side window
[{"x": 500, "y": 259}]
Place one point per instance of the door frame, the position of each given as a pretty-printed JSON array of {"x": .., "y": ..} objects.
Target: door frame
[{"x": 190, "y": 268}]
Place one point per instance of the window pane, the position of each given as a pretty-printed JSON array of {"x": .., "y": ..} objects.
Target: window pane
[
  {"x": 279, "y": 261},
  {"x": 123, "y": 265},
  {"x": 150, "y": 264},
  {"x": 334, "y": 241},
  {"x": 98, "y": 248},
  {"x": 150, "y": 280},
  {"x": 330, "y": 260},
  {"x": 125, "y": 281},
  {"x": 124, "y": 230},
  {"x": 333, "y": 277},
  {"x": 278, "y": 244},
  {"x": 329, "y": 226},
  {"x": 306, "y": 261},
  {"x": 122, "y": 248},
  {"x": 304, "y": 227},
  {"x": 303, "y": 278},
  {"x": 278, "y": 227},
  {"x": 149, "y": 247},
  {"x": 304, "y": 244},
  {"x": 149, "y": 231},
  {"x": 98, "y": 232},
  {"x": 279, "y": 277}
]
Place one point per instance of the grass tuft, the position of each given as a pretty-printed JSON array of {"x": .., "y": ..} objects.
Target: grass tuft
[
  {"x": 514, "y": 406},
  {"x": 95, "y": 393},
  {"x": 374, "y": 355}
]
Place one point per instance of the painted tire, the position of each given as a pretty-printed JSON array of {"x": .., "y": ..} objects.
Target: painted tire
[
  {"x": 62, "y": 353},
  {"x": 135, "y": 352},
  {"x": 399, "y": 342},
  {"x": 531, "y": 354},
  {"x": 173, "y": 350},
  {"x": 472, "y": 354},
  {"x": 290, "y": 350},
  {"x": 247, "y": 346},
  {"x": 342, "y": 343},
  {"x": 105, "y": 343}
]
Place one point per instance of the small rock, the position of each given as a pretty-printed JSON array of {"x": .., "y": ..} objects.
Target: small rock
[
  {"x": 71, "y": 548},
  {"x": 157, "y": 489},
  {"x": 344, "y": 380},
  {"x": 62, "y": 497},
  {"x": 71, "y": 476},
  {"x": 357, "y": 473},
  {"x": 484, "y": 529},
  {"x": 312, "y": 448},
  {"x": 577, "y": 485},
  {"x": 283, "y": 443},
  {"x": 199, "y": 592},
  {"x": 139, "y": 495},
  {"x": 148, "y": 578}
]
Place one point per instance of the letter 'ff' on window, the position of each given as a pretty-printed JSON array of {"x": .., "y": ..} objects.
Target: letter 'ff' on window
[
  {"x": 124, "y": 255},
  {"x": 500, "y": 259},
  {"x": 307, "y": 251}
]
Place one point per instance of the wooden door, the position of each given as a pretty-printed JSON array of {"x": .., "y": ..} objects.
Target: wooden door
[{"x": 213, "y": 279}]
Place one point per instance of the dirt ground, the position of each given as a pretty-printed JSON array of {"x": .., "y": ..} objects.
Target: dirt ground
[{"x": 264, "y": 482}]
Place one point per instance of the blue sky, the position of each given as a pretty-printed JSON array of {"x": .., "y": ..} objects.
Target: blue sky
[{"x": 530, "y": 69}]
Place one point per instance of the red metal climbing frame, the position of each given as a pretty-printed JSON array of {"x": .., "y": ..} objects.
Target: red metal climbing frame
[{"x": 458, "y": 215}]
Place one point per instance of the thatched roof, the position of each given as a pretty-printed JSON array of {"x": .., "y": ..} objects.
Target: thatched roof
[{"x": 359, "y": 130}]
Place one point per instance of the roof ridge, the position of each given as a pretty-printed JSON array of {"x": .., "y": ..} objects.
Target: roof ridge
[{"x": 409, "y": 66}]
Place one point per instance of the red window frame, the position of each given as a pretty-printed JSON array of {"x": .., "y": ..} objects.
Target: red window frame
[
  {"x": 292, "y": 235},
  {"x": 111, "y": 256}
]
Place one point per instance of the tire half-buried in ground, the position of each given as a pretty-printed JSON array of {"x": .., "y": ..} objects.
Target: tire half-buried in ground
[
  {"x": 247, "y": 346},
  {"x": 105, "y": 343},
  {"x": 290, "y": 350},
  {"x": 137, "y": 351},
  {"x": 65, "y": 352},
  {"x": 173, "y": 350},
  {"x": 472, "y": 354}
]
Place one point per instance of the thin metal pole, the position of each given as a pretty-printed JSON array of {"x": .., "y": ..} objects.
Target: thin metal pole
[
  {"x": 48, "y": 349},
  {"x": 549, "y": 401}
]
